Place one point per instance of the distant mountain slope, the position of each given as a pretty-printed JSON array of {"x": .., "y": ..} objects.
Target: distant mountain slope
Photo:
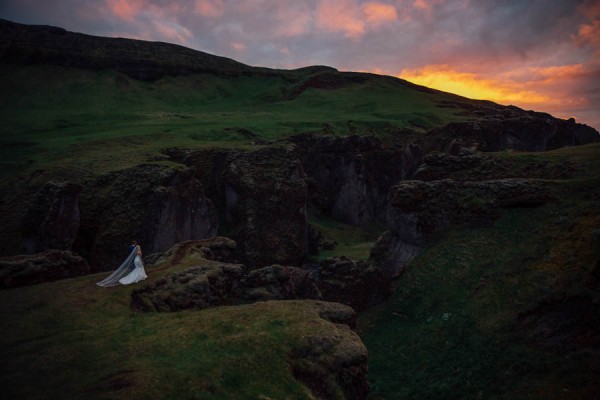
[
  {"x": 39, "y": 44},
  {"x": 61, "y": 88}
]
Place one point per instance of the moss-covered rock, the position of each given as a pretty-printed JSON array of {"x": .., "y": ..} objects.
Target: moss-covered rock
[
  {"x": 265, "y": 195},
  {"x": 48, "y": 266},
  {"x": 418, "y": 209},
  {"x": 52, "y": 220},
  {"x": 156, "y": 205}
]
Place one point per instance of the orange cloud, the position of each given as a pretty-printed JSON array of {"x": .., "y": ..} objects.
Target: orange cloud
[
  {"x": 443, "y": 77},
  {"x": 340, "y": 16},
  {"x": 377, "y": 13},
  {"x": 425, "y": 5},
  {"x": 125, "y": 9},
  {"x": 209, "y": 8},
  {"x": 551, "y": 89},
  {"x": 352, "y": 19},
  {"x": 589, "y": 34}
]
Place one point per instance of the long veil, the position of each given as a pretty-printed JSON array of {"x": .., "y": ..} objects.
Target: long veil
[{"x": 123, "y": 270}]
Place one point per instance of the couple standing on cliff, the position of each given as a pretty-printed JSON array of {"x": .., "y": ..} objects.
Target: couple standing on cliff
[{"x": 130, "y": 271}]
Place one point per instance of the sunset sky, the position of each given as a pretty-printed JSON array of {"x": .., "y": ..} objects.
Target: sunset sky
[{"x": 537, "y": 54}]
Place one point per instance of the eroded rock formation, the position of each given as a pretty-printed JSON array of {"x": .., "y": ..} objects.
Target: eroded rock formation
[
  {"x": 47, "y": 266},
  {"x": 418, "y": 209},
  {"x": 52, "y": 220},
  {"x": 265, "y": 200},
  {"x": 333, "y": 366},
  {"x": 350, "y": 177},
  {"x": 207, "y": 276},
  {"x": 156, "y": 205}
]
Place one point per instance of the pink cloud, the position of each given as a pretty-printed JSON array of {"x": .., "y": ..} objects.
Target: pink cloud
[
  {"x": 238, "y": 46},
  {"x": 377, "y": 13},
  {"x": 125, "y": 9},
  {"x": 172, "y": 32},
  {"x": 209, "y": 8},
  {"x": 340, "y": 16},
  {"x": 293, "y": 20}
]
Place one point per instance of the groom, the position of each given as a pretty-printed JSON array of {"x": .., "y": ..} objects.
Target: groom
[{"x": 132, "y": 246}]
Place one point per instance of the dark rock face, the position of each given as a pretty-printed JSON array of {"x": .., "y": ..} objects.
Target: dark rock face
[
  {"x": 48, "y": 266},
  {"x": 358, "y": 284},
  {"x": 418, "y": 209},
  {"x": 277, "y": 282},
  {"x": 265, "y": 197},
  {"x": 156, "y": 205},
  {"x": 562, "y": 326},
  {"x": 350, "y": 177},
  {"x": 333, "y": 366},
  {"x": 504, "y": 128},
  {"x": 52, "y": 220}
]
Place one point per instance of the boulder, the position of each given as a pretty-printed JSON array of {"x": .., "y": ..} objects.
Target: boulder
[{"x": 48, "y": 266}]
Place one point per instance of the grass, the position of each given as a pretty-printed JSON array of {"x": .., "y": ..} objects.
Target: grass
[
  {"x": 46, "y": 111},
  {"x": 72, "y": 339},
  {"x": 352, "y": 241},
  {"x": 451, "y": 331}
]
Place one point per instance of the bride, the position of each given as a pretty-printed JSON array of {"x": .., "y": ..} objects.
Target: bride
[{"x": 131, "y": 271}]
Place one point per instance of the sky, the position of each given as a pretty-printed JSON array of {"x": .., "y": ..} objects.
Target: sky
[{"x": 536, "y": 54}]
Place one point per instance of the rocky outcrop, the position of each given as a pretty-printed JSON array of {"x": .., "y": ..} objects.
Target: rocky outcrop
[
  {"x": 198, "y": 287},
  {"x": 52, "y": 220},
  {"x": 349, "y": 177},
  {"x": 156, "y": 205},
  {"x": 278, "y": 282},
  {"x": 468, "y": 165},
  {"x": 359, "y": 284},
  {"x": 207, "y": 277},
  {"x": 418, "y": 209},
  {"x": 500, "y": 128},
  {"x": 333, "y": 366},
  {"x": 48, "y": 266},
  {"x": 265, "y": 200}
]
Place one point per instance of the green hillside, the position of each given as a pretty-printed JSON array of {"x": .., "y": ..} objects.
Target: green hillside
[
  {"x": 503, "y": 312},
  {"x": 45, "y": 109}
]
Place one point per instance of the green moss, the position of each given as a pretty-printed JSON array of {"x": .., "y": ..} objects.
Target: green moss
[
  {"x": 450, "y": 329},
  {"x": 82, "y": 341},
  {"x": 46, "y": 110}
]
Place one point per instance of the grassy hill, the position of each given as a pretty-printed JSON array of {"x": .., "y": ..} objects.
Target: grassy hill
[
  {"x": 74, "y": 340},
  {"x": 503, "y": 312},
  {"x": 45, "y": 109}
]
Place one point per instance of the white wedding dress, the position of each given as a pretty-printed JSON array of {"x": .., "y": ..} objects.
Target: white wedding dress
[{"x": 131, "y": 271}]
